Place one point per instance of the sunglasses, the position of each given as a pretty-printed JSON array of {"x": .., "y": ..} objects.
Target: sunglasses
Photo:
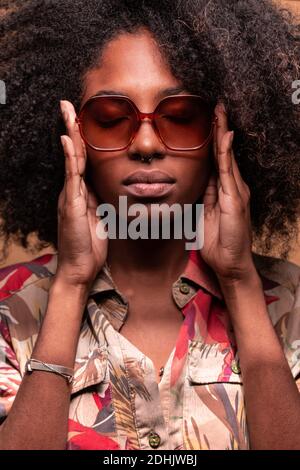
[{"x": 181, "y": 122}]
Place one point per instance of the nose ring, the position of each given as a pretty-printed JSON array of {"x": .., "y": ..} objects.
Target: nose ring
[{"x": 146, "y": 159}]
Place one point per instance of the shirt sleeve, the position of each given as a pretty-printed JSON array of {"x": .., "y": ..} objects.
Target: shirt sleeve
[
  {"x": 10, "y": 377},
  {"x": 290, "y": 332}
]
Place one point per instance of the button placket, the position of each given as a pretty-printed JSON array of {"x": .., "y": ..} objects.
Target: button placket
[{"x": 144, "y": 397}]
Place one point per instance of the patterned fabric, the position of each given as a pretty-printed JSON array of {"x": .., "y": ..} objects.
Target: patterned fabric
[{"x": 116, "y": 402}]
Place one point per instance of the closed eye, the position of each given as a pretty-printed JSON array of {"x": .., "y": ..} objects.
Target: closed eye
[
  {"x": 111, "y": 122},
  {"x": 178, "y": 119}
]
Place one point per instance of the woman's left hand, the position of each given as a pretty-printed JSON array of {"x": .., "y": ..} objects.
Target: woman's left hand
[{"x": 227, "y": 224}]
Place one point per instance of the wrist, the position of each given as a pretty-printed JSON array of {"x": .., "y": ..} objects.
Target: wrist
[
  {"x": 250, "y": 280},
  {"x": 254, "y": 333},
  {"x": 68, "y": 275},
  {"x": 62, "y": 288},
  {"x": 59, "y": 334},
  {"x": 246, "y": 304}
]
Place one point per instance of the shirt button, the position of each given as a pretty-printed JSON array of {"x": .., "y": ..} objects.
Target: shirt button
[
  {"x": 154, "y": 440},
  {"x": 184, "y": 288},
  {"x": 235, "y": 367}
]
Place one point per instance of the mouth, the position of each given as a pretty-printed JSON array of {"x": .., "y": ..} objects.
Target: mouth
[{"x": 152, "y": 183}]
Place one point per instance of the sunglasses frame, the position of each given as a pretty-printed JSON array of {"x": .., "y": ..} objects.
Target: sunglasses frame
[{"x": 140, "y": 117}]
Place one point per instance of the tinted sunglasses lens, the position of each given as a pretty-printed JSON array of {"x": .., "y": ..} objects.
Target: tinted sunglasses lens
[
  {"x": 108, "y": 123},
  {"x": 184, "y": 122}
]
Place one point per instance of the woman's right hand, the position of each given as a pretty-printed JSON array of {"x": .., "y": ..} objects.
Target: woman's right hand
[{"x": 80, "y": 253}]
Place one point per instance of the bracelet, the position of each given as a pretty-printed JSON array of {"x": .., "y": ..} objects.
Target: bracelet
[{"x": 35, "y": 364}]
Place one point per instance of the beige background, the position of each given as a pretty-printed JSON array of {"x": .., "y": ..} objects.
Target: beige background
[
  {"x": 17, "y": 253},
  {"x": 294, "y": 6}
]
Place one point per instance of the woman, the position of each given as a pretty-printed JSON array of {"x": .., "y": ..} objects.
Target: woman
[{"x": 170, "y": 349}]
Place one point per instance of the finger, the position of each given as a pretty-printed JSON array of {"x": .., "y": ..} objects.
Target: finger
[
  {"x": 73, "y": 131},
  {"x": 210, "y": 197},
  {"x": 215, "y": 148},
  {"x": 83, "y": 190},
  {"x": 72, "y": 176},
  {"x": 242, "y": 186},
  {"x": 61, "y": 203},
  {"x": 98, "y": 228},
  {"x": 222, "y": 123},
  {"x": 92, "y": 205},
  {"x": 221, "y": 130},
  {"x": 215, "y": 152},
  {"x": 92, "y": 201},
  {"x": 226, "y": 175}
]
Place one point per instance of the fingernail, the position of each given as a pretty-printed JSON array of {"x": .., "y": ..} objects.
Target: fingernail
[
  {"x": 62, "y": 105},
  {"x": 64, "y": 110},
  {"x": 218, "y": 108},
  {"x": 222, "y": 106},
  {"x": 63, "y": 140}
]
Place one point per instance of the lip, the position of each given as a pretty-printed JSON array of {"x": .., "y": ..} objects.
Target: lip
[
  {"x": 149, "y": 189},
  {"x": 148, "y": 176},
  {"x": 154, "y": 183}
]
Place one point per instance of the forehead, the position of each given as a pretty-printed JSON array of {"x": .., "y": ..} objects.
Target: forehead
[{"x": 132, "y": 64}]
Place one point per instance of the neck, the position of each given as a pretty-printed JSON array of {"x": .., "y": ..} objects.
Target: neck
[
  {"x": 153, "y": 262},
  {"x": 163, "y": 260}
]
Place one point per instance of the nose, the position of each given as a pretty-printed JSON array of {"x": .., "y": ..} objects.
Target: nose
[{"x": 146, "y": 142}]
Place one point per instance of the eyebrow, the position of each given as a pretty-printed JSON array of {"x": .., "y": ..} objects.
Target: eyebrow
[{"x": 161, "y": 94}]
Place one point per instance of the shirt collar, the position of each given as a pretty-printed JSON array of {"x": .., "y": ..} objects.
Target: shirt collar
[
  {"x": 200, "y": 273},
  {"x": 196, "y": 272},
  {"x": 105, "y": 283},
  {"x": 92, "y": 367}
]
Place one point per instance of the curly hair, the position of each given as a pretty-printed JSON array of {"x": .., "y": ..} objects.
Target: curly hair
[{"x": 245, "y": 53}]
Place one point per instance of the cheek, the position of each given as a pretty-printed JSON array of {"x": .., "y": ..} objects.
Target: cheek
[
  {"x": 194, "y": 177},
  {"x": 202, "y": 173},
  {"x": 103, "y": 175}
]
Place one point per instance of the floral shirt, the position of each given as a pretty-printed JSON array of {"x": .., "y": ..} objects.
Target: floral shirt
[{"x": 116, "y": 401}]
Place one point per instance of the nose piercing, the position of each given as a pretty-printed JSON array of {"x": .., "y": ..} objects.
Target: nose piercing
[{"x": 146, "y": 159}]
